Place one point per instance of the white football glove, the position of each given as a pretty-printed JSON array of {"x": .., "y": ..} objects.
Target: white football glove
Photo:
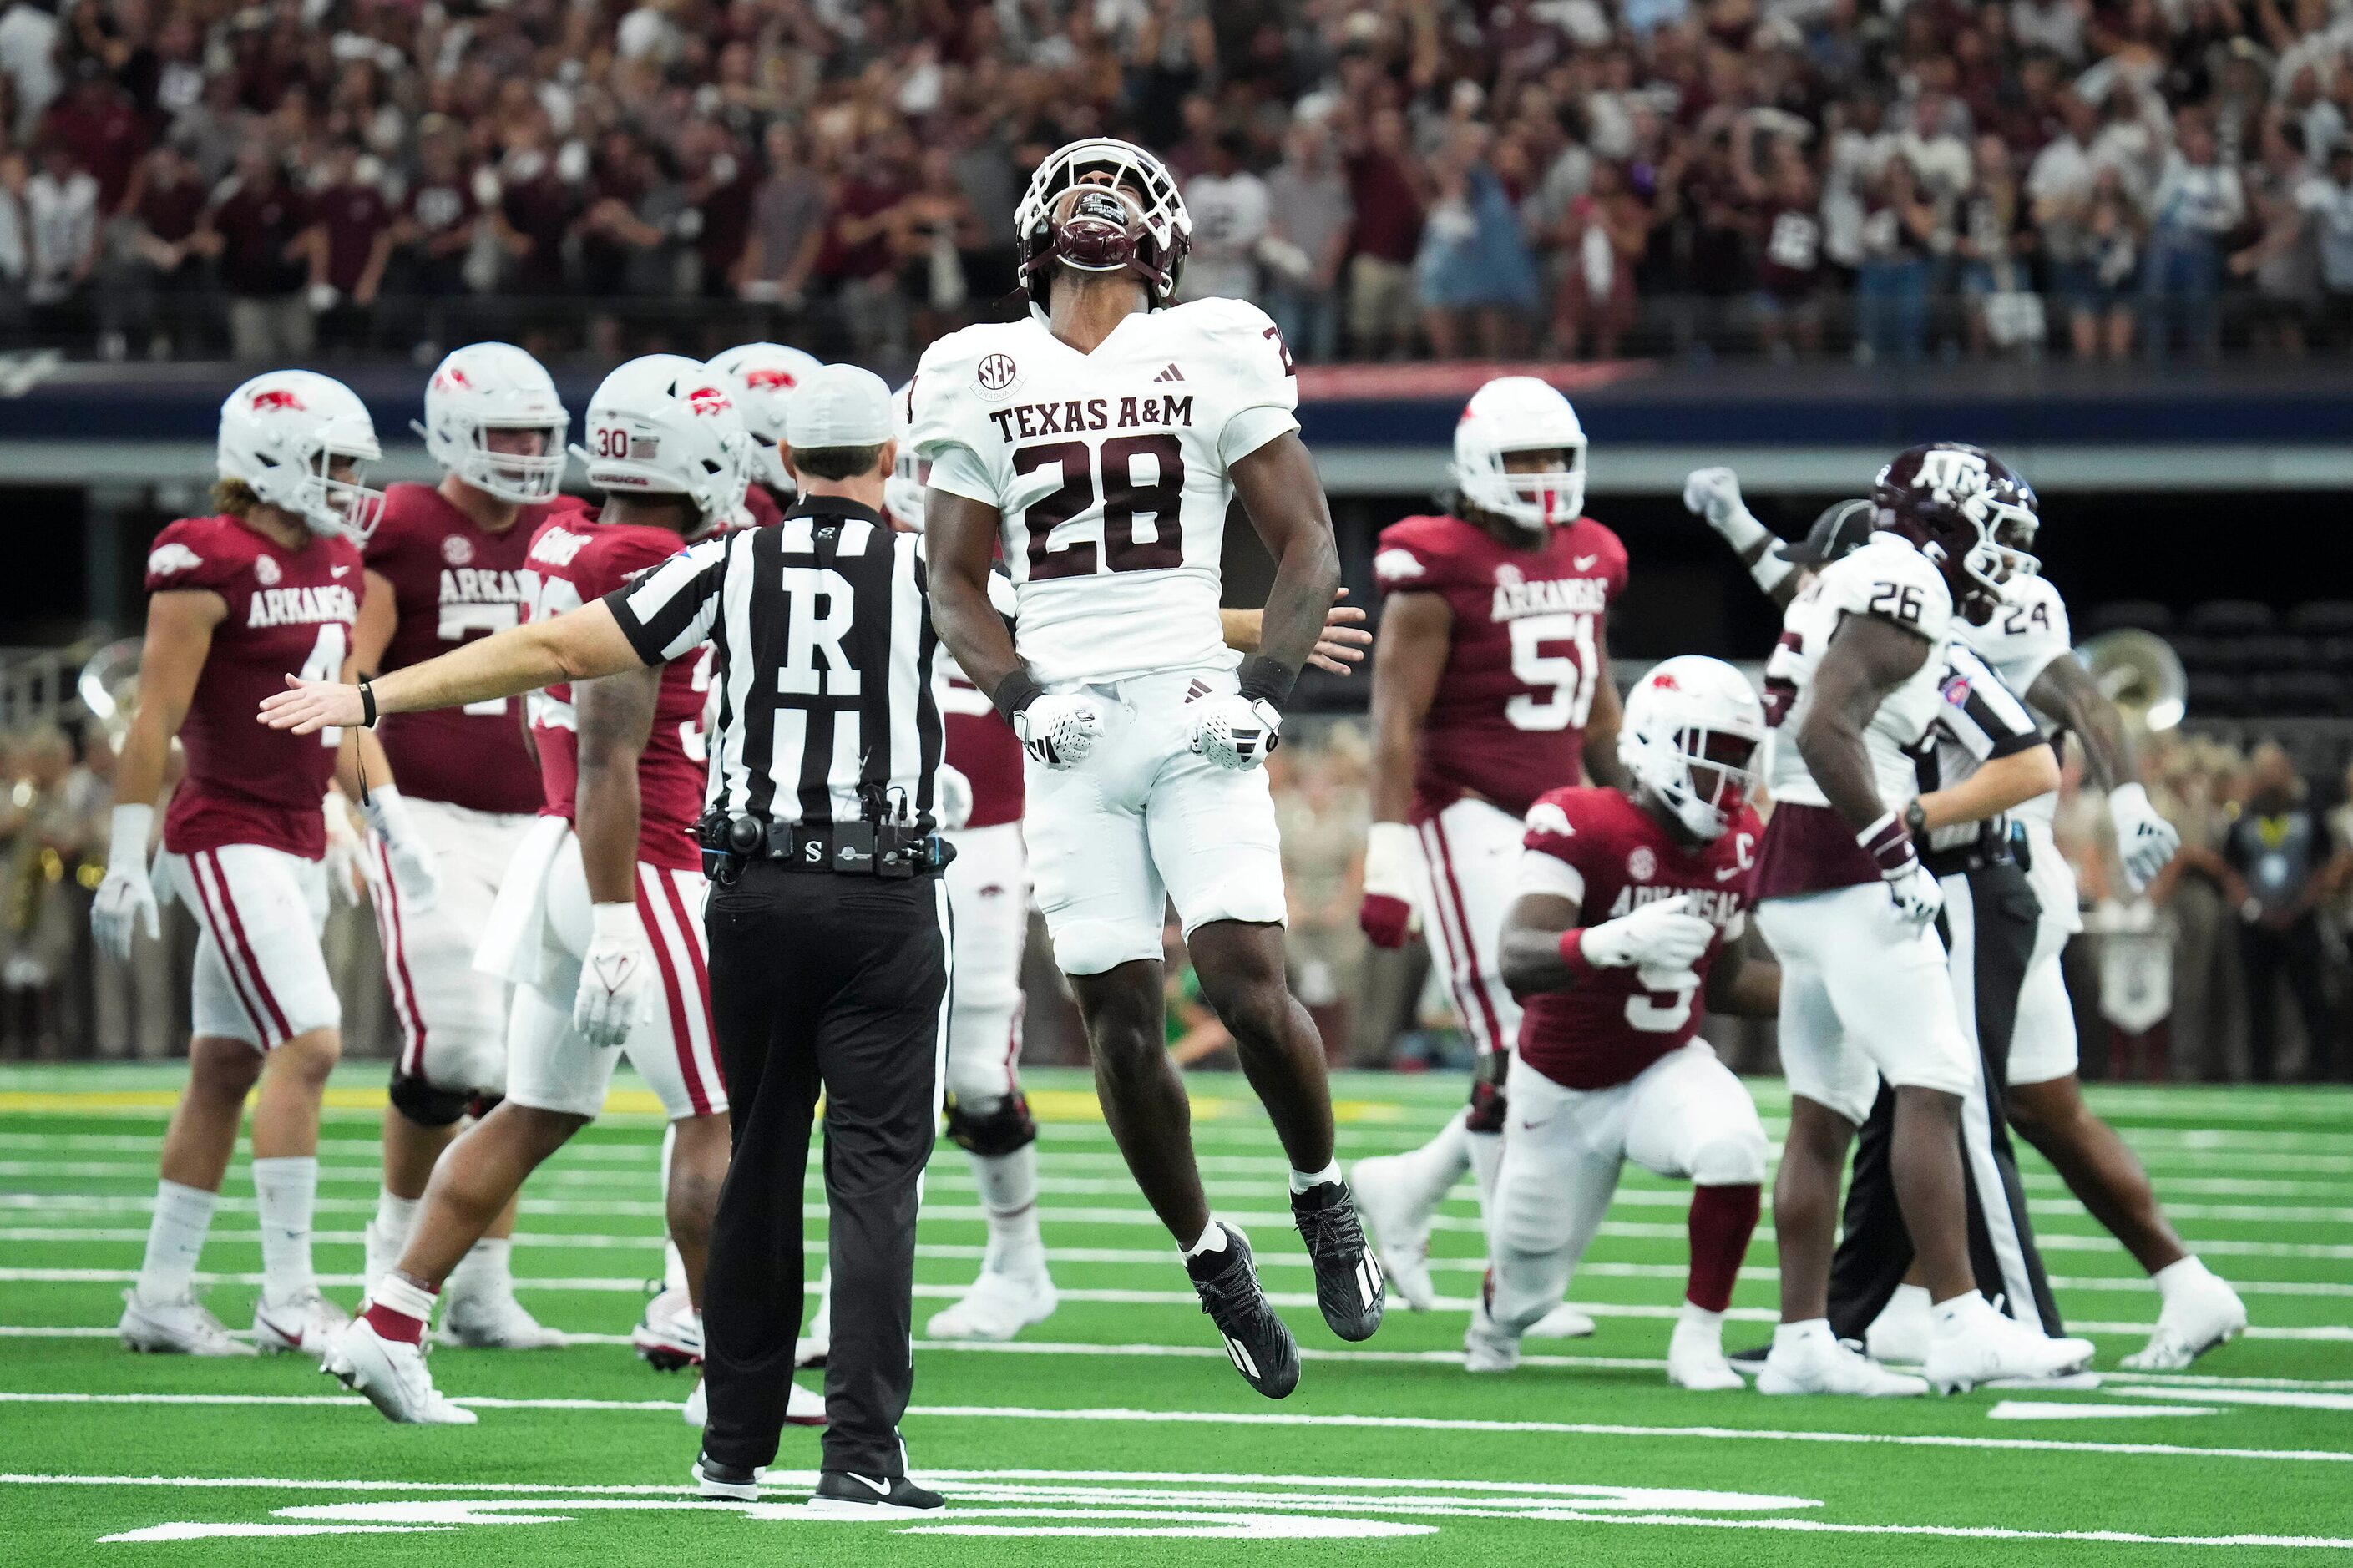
[
  {"x": 1059, "y": 731},
  {"x": 1233, "y": 731},
  {"x": 347, "y": 854},
  {"x": 126, "y": 896},
  {"x": 616, "y": 977},
  {"x": 952, "y": 799},
  {"x": 1666, "y": 936},
  {"x": 2145, "y": 841},
  {"x": 412, "y": 869},
  {"x": 1714, "y": 494},
  {"x": 1919, "y": 898}
]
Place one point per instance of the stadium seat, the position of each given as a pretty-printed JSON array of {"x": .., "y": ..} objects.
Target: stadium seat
[
  {"x": 2276, "y": 650},
  {"x": 2230, "y": 617},
  {"x": 2298, "y": 693},
  {"x": 2214, "y": 695},
  {"x": 2141, "y": 615},
  {"x": 2206, "y": 653},
  {"x": 2323, "y": 618}
]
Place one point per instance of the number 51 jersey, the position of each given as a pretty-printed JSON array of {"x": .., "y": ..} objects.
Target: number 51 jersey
[{"x": 1111, "y": 472}]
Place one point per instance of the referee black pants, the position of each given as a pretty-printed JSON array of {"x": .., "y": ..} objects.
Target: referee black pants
[
  {"x": 1988, "y": 927},
  {"x": 839, "y": 984}
]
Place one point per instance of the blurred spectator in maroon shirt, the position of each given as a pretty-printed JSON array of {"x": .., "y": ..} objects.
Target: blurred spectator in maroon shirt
[
  {"x": 534, "y": 214},
  {"x": 99, "y": 121},
  {"x": 858, "y": 245},
  {"x": 1604, "y": 233},
  {"x": 1387, "y": 236},
  {"x": 152, "y": 291},
  {"x": 438, "y": 217},
  {"x": 256, "y": 226},
  {"x": 350, "y": 237},
  {"x": 719, "y": 185},
  {"x": 1790, "y": 252}
]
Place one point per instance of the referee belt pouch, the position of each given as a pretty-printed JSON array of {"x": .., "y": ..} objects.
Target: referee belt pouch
[{"x": 893, "y": 850}]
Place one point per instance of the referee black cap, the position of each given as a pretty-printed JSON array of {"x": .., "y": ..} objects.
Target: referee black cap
[{"x": 1842, "y": 528}]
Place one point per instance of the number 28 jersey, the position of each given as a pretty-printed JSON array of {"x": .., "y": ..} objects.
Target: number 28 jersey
[
  {"x": 1507, "y": 720},
  {"x": 1111, "y": 472}
]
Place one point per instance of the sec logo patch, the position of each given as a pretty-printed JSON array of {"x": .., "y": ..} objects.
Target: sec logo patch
[
  {"x": 1641, "y": 865},
  {"x": 995, "y": 375},
  {"x": 456, "y": 550}
]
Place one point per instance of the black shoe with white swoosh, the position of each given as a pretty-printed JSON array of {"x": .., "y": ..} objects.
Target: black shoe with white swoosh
[
  {"x": 848, "y": 1494},
  {"x": 1260, "y": 1345},
  {"x": 1348, "y": 1282}
]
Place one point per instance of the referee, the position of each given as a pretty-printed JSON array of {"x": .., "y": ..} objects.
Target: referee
[{"x": 827, "y": 921}]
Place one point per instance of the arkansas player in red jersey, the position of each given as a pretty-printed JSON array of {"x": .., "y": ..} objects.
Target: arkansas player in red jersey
[
  {"x": 267, "y": 588},
  {"x": 446, "y": 565},
  {"x": 1490, "y": 685},
  {"x": 1630, "y": 903},
  {"x": 599, "y": 918}
]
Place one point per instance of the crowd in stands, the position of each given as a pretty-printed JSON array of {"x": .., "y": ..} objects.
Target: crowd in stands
[{"x": 1892, "y": 178}]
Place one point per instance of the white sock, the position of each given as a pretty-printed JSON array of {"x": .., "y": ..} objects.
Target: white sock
[
  {"x": 2179, "y": 1275},
  {"x": 1952, "y": 1317},
  {"x": 1486, "y": 1151},
  {"x": 1008, "y": 1195},
  {"x": 1441, "y": 1162},
  {"x": 485, "y": 1273},
  {"x": 1696, "y": 1316},
  {"x": 1908, "y": 1301},
  {"x": 396, "y": 1292},
  {"x": 1212, "y": 1241},
  {"x": 1796, "y": 1336},
  {"x": 673, "y": 1267},
  {"x": 396, "y": 1218},
  {"x": 1303, "y": 1179},
  {"x": 175, "y": 1239},
  {"x": 285, "y": 1190}
]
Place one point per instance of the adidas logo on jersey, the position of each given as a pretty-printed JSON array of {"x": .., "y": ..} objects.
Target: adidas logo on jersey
[
  {"x": 1171, "y": 374},
  {"x": 1198, "y": 689}
]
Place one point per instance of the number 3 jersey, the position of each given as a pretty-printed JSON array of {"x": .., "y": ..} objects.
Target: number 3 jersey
[
  {"x": 578, "y": 561},
  {"x": 1507, "y": 720},
  {"x": 290, "y": 612},
  {"x": 1111, "y": 471},
  {"x": 453, "y": 582},
  {"x": 1601, "y": 849}
]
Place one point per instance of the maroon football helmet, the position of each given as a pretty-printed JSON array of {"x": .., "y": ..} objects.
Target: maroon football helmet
[
  {"x": 1103, "y": 205},
  {"x": 1953, "y": 500}
]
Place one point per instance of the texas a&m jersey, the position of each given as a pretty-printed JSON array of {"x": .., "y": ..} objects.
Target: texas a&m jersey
[
  {"x": 1110, "y": 470},
  {"x": 1601, "y": 848},
  {"x": 578, "y": 561},
  {"x": 290, "y": 612},
  {"x": 453, "y": 582},
  {"x": 1507, "y": 720},
  {"x": 2028, "y": 630}
]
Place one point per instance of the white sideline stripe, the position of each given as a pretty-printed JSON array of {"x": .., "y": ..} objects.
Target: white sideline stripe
[
  {"x": 1117, "y": 1416},
  {"x": 2061, "y": 1410},
  {"x": 88, "y": 1331},
  {"x": 2300, "y": 1400}
]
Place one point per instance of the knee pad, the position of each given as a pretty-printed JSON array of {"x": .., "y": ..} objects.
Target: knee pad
[
  {"x": 1005, "y": 1129},
  {"x": 426, "y": 1105},
  {"x": 1731, "y": 1160},
  {"x": 1488, "y": 1106}
]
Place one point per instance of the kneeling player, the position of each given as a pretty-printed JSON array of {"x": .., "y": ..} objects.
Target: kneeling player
[{"x": 1609, "y": 1069}]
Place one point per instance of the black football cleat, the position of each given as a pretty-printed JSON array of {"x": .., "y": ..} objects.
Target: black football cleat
[
  {"x": 1260, "y": 1345},
  {"x": 1348, "y": 1283},
  {"x": 715, "y": 1482},
  {"x": 1750, "y": 1361},
  {"x": 848, "y": 1494}
]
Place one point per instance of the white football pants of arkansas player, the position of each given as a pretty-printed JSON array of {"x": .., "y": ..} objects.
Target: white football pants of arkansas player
[
  {"x": 1470, "y": 860},
  {"x": 539, "y": 935},
  {"x": 1684, "y": 1116},
  {"x": 2043, "y": 1043},
  {"x": 453, "y": 1018},
  {"x": 988, "y": 892},
  {"x": 260, "y": 974},
  {"x": 1143, "y": 821},
  {"x": 1864, "y": 993}
]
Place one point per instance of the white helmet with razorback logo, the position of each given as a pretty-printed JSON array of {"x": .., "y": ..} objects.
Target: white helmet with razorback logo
[
  {"x": 902, "y": 492},
  {"x": 484, "y": 387},
  {"x": 1690, "y": 736},
  {"x": 1520, "y": 413},
  {"x": 667, "y": 424},
  {"x": 764, "y": 377},
  {"x": 279, "y": 434},
  {"x": 1103, "y": 206}
]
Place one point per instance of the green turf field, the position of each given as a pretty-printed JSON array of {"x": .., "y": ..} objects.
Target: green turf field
[{"x": 1120, "y": 1417}]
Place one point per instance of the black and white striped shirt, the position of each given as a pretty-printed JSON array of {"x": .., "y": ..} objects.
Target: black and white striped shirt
[
  {"x": 1979, "y": 719},
  {"x": 822, "y": 677}
]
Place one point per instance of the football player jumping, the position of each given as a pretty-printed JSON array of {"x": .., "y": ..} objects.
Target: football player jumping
[
  {"x": 268, "y": 584},
  {"x": 599, "y": 919},
  {"x": 1845, "y": 903},
  {"x": 1491, "y": 684},
  {"x": 2027, "y": 642},
  {"x": 1630, "y": 903},
  {"x": 1102, "y": 439},
  {"x": 446, "y": 565}
]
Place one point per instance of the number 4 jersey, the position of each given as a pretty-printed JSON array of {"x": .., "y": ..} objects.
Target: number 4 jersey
[
  {"x": 1507, "y": 721},
  {"x": 1605, "y": 852},
  {"x": 1111, "y": 471},
  {"x": 290, "y": 612}
]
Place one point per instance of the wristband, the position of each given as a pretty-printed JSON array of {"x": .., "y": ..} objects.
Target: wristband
[
  {"x": 1016, "y": 692},
  {"x": 367, "y": 704},
  {"x": 1887, "y": 843},
  {"x": 1267, "y": 681},
  {"x": 1741, "y": 530},
  {"x": 615, "y": 922},
  {"x": 1572, "y": 952},
  {"x": 1769, "y": 570},
  {"x": 128, "y": 847}
]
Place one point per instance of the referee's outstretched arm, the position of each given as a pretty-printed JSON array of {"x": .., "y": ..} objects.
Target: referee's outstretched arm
[{"x": 579, "y": 644}]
